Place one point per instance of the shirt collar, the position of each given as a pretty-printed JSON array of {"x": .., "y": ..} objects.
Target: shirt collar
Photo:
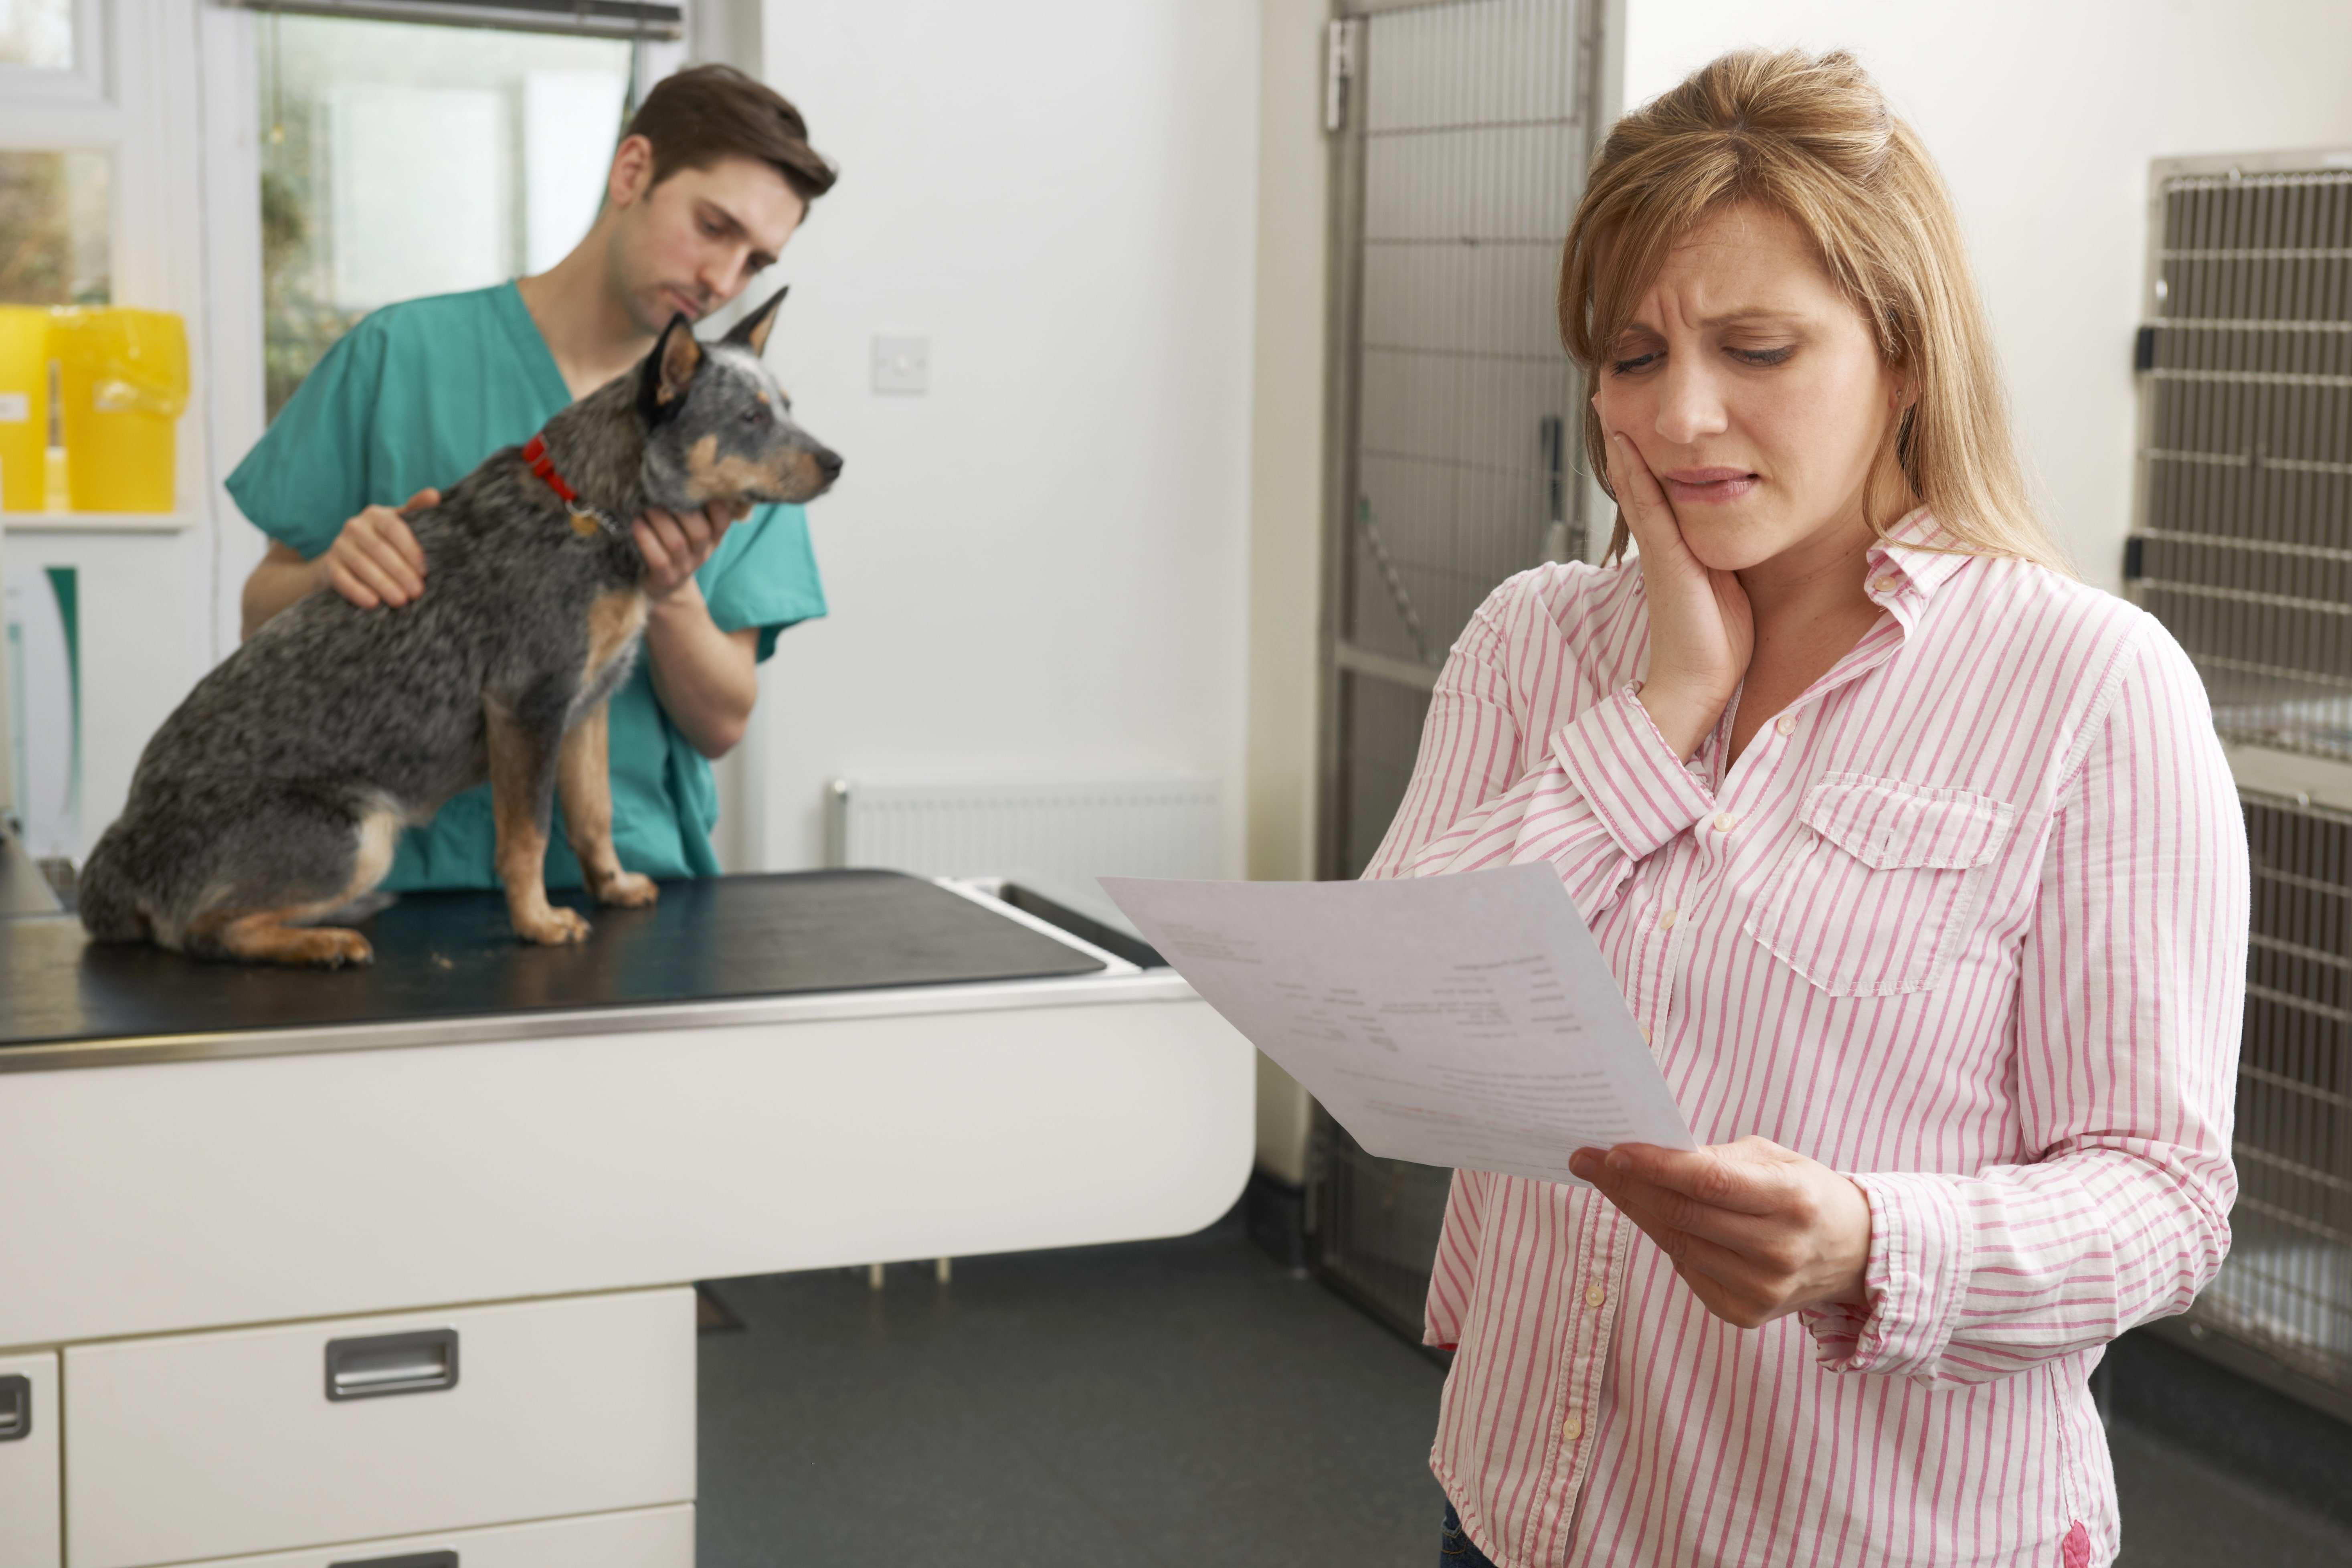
[{"x": 1917, "y": 557}]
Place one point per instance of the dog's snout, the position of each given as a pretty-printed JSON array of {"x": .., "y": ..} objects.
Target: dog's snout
[{"x": 828, "y": 463}]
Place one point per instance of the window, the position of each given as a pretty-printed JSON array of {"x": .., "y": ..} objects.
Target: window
[
  {"x": 54, "y": 233},
  {"x": 55, "y": 239},
  {"x": 37, "y": 32},
  {"x": 400, "y": 159}
]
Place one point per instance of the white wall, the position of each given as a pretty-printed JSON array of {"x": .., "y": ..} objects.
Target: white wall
[
  {"x": 1286, "y": 455},
  {"x": 1041, "y": 568},
  {"x": 2044, "y": 115}
]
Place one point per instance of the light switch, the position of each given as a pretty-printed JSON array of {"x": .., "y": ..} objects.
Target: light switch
[{"x": 902, "y": 364}]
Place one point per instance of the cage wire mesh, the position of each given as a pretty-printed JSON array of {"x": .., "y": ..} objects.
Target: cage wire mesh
[
  {"x": 1383, "y": 731},
  {"x": 1377, "y": 1223},
  {"x": 1461, "y": 162},
  {"x": 2287, "y": 1287},
  {"x": 1469, "y": 151},
  {"x": 2244, "y": 552}
]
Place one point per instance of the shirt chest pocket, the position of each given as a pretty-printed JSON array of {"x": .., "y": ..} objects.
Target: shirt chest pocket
[{"x": 1877, "y": 895}]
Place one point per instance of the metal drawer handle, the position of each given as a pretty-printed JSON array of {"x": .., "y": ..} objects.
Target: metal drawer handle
[
  {"x": 413, "y": 1560},
  {"x": 424, "y": 1362},
  {"x": 15, "y": 1407}
]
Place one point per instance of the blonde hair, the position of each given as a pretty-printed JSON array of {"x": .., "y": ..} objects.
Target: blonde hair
[{"x": 1811, "y": 137}]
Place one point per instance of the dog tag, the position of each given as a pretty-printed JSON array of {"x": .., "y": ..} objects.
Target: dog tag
[{"x": 583, "y": 524}]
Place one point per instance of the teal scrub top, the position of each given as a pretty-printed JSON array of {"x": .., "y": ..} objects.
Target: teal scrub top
[{"x": 414, "y": 397}]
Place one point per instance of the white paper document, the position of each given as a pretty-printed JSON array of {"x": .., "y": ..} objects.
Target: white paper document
[{"x": 1466, "y": 1020}]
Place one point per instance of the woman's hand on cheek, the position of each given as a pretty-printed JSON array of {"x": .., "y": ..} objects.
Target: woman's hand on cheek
[
  {"x": 1701, "y": 629},
  {"x": 1756, "y": 1230}
]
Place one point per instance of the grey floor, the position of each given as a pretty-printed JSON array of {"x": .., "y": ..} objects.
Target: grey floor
[
  {"x": 1170, "y": 1403},
  {"x": 2179, "y": 1510}
]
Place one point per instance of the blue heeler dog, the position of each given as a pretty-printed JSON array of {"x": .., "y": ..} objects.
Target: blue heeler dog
[{"x": 270, "y": 802}]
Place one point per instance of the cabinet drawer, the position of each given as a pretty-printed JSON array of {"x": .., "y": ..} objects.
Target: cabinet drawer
[
  {"x": 30, "y": 1532},
  {"x": 261, "y": 1441},
  {"x": 641, "y": 1538}
]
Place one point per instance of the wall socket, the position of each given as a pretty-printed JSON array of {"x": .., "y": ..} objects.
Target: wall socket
[{"x": 902, "y": 365}]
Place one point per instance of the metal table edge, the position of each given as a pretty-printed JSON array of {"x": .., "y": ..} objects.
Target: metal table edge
[{"x": 996, "y": 995}]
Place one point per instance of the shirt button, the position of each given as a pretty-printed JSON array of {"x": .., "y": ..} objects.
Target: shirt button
[
  {"x": 1725, "y": 822},
  {"x": 1596, "y": 1295},
  {"x": 1572, "y": 1428},
  {"x": 1645, "y": 1032},
  {"x": 1786, "y": 725},
  {"x": 1881, "y": 584},
  {"x": 1666, "y": 921}
]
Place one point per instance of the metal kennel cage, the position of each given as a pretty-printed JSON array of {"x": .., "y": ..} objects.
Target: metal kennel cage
[
  {"x": 2243, "y": 548},
  {"x": 1460, "y": 134},
  {"x": 1375, "y": 1226}
]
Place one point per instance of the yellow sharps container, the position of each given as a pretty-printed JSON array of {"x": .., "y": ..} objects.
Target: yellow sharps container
[
  {"x": 23, "y": 404},
  {"x": 122, "y": 383}
]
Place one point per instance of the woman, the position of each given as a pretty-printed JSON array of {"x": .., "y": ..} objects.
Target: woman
[{"x": 1917, "y": 862}]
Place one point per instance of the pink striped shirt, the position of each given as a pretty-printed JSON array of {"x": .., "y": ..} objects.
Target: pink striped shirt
[{"x": 1967, "y": 921}]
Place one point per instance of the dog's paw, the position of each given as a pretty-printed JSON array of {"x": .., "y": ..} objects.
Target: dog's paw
[
  {"x": 628, "y": 890},
  {"x": 329, "y": 947},
  {"x": 553, "y": 927}
]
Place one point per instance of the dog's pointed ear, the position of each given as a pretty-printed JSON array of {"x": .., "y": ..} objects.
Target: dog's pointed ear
[
  {"x": 669, "y": 369},
  {"x": 752, "y": 332}
]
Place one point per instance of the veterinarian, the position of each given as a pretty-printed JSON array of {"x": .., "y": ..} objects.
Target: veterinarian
[
  {"x": 713, "y": 176},
  {"x": 1916, "y": 859}
]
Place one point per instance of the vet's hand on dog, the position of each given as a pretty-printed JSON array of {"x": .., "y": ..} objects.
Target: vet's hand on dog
[
  {"x": 375, "y": 560},
  {"x": 675, "y": 546}
]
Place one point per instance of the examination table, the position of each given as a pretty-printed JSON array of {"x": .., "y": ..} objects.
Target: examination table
[{"x": 389, "y": 1267}]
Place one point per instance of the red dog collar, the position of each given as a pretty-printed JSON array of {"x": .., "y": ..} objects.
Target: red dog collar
[
  {"x": 585, "y": 518},
  {"x": 543, "y": 466}
]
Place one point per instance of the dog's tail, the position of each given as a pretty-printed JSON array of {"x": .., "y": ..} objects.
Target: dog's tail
[{"x": 105, "y": 899}]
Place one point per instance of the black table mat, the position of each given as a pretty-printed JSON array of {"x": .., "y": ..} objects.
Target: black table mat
[{"x": 454, "y": 955}]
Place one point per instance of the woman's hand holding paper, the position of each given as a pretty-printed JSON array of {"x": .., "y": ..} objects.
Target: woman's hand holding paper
[{"x": 1756, "y": 1230}]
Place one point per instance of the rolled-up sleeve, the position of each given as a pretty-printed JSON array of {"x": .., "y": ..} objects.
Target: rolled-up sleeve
[
  {"x": 1606, "y": 792},
  {"x": 2131, "y": 1000},
  {"x": 1469, "y": 751}
]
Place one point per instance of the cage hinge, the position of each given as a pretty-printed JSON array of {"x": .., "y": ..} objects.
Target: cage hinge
[{"x": 1338, "y": 69}]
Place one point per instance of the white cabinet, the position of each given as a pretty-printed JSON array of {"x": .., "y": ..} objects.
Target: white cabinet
[
  {"x": 361, "y": 1429},
  {"x": 30, "y": 1532},
  {"x": 177, "y": 1196},
  {"x": 642, "y": 1538}
]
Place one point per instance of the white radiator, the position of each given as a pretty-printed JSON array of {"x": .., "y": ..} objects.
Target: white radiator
[{"x": 1068, "y": 830}]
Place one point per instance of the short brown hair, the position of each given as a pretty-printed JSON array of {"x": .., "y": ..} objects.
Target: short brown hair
[
  {"x": 704, "y": 114},
  {"x": 1811, "y": 137}
]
